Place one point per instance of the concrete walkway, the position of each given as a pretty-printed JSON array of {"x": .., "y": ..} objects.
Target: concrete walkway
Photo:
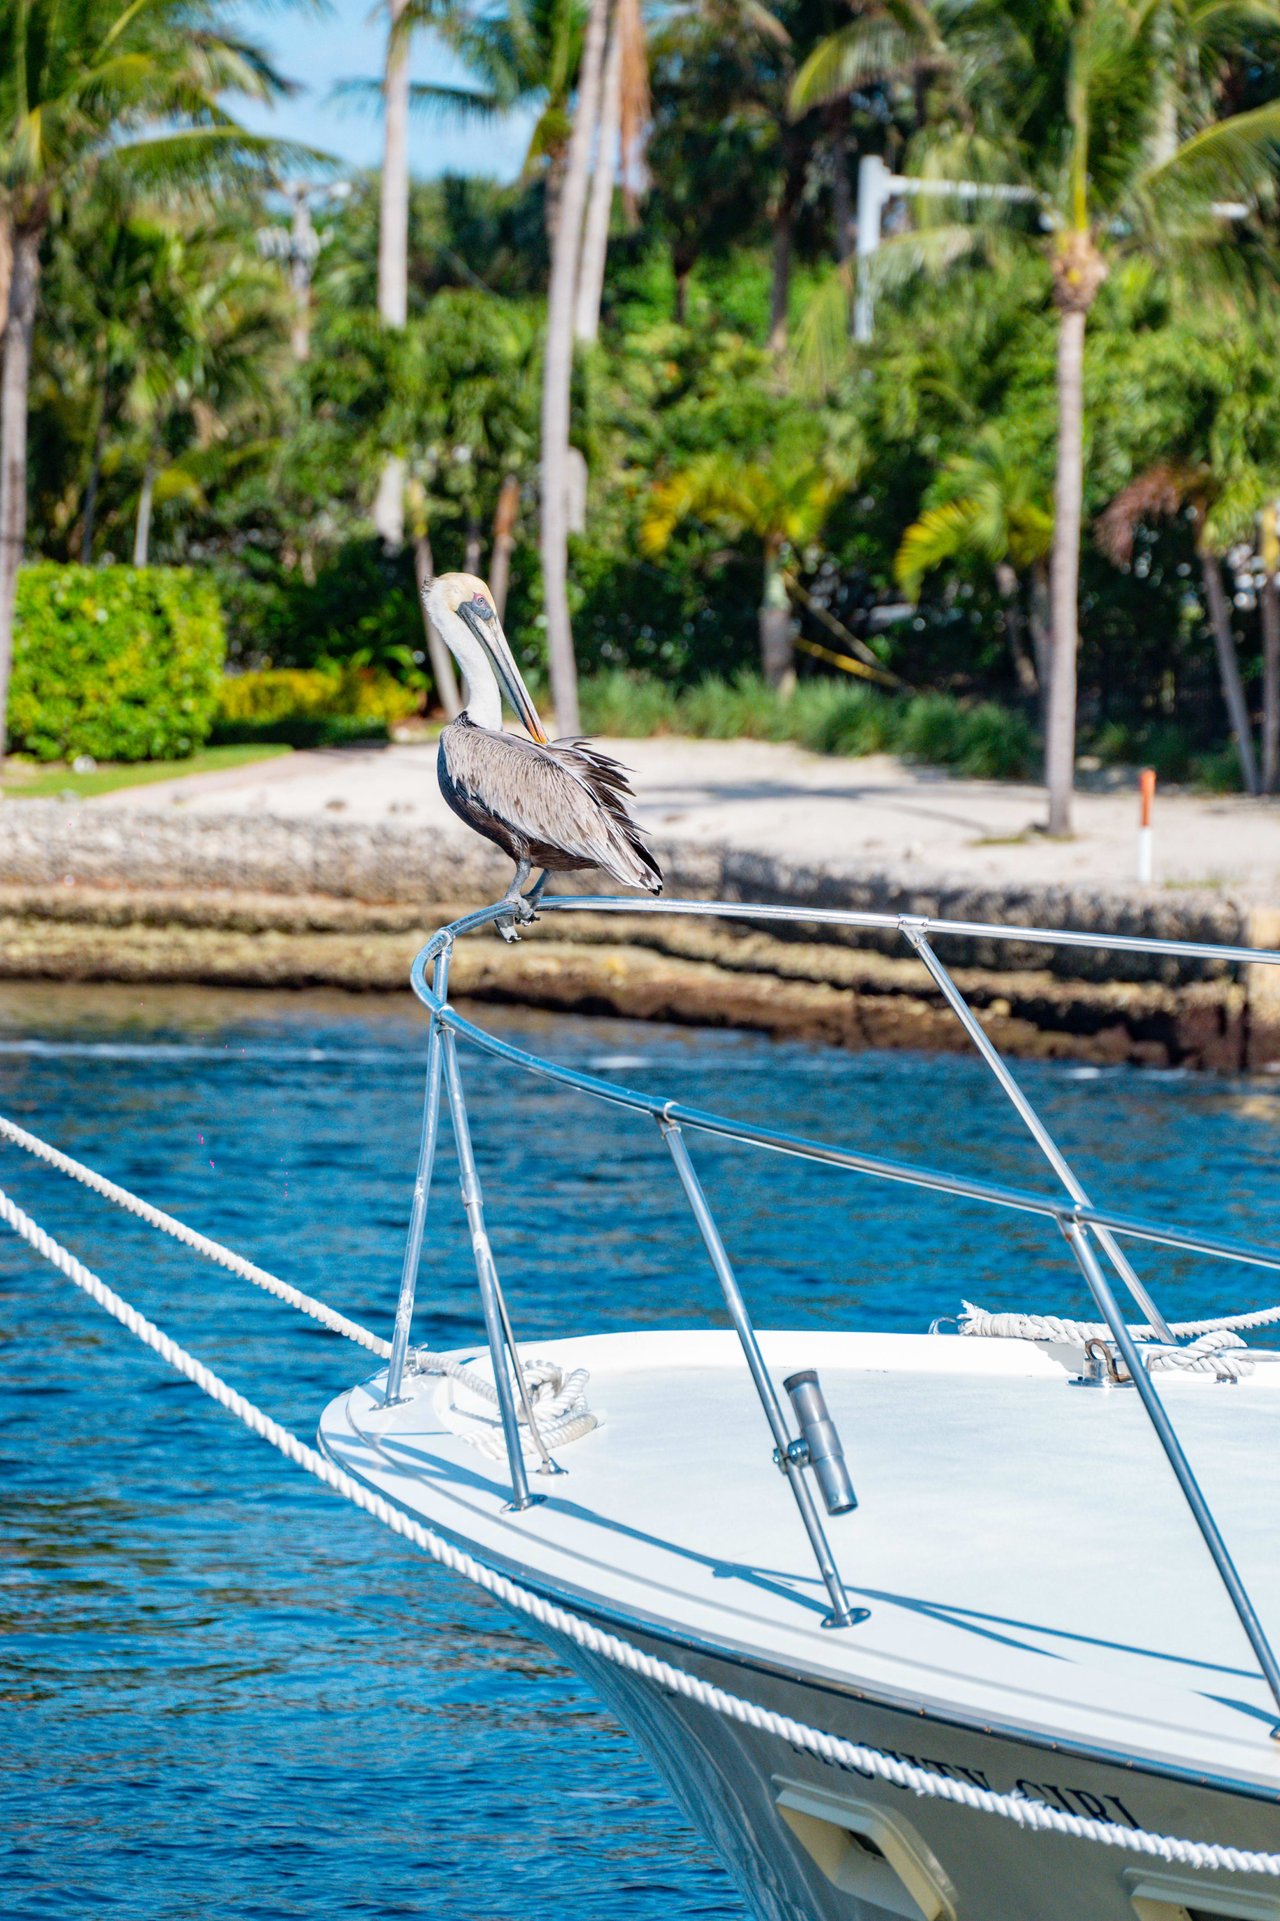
[{"x": 780, "y": 800}]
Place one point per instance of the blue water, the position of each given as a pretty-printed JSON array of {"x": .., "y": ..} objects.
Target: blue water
[{"x": 226, "y": 1695}]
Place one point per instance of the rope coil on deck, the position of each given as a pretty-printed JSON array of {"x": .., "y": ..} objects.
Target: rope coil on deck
[
  {"x": 1025, "y": 1812},
  {"x": 1056, "y": 1327}
]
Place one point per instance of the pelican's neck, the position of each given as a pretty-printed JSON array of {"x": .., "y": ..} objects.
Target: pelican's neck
[{"x": 483, "y": 702}]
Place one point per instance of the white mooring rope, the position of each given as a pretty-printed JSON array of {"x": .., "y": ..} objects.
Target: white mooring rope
[
  {"x": 1026, "y": 1813},
  {"x": 190, "y": 1237},
  {"x": 1056, "y": 1327},
  {"x": 559, "y": 1400}
]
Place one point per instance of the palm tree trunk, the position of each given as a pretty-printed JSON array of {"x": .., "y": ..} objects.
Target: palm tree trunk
[
  {"x": 95, "y": 473},
  {"x": 1041, "y": 639},
  {"x": 1269, "y": 551},
  {"x": 1224, "y": 641},
  {"x": 557, "y": 371},
  {"x": 6, "y": 268},
  {"x": 780, "y": 281},
  {"x": 504, "y": 533},
  {"x": 553, "y": 190},
  {"x": 393, "y": 249},
  {"x": 15, "y": 383},
  {"x": 777, "y": 639},
  {"x": 595, "y": 236},
  {"x": 471, "y": 552},
  {"x": 842, "y": 219},
  {"x": 1270, "y": 604},
  {"x": 1024, "y": 672},
  {"x": 1060, "y": 732},
  {"x": 142, "y": 526},
  {"x": 438, "y": 654}
]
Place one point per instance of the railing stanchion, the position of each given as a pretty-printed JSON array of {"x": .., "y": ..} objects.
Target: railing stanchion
[
  {"x": 841, "y": 1615},
  {"x": 495, "y": 1317},
  {"x": 1108, "y": 1306},
  {"x": 421, "y": 1187},
  {"x": 1044, "y": 1140}
]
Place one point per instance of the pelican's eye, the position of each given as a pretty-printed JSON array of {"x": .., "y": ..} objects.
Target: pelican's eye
[{"x": 481, "y": 606}]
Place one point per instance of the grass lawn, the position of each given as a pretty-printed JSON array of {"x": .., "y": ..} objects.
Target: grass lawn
[{"x": 40, "y": 780}]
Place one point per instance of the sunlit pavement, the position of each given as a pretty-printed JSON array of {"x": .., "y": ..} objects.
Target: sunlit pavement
[{"x": 781, "y": 800}]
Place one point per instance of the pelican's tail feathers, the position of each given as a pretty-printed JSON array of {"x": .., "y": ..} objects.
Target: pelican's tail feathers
[{"x": 637, "y": 868}]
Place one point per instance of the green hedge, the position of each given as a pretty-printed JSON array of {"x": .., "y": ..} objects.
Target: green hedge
[
  {"x": 983, "y": 740},
  {"x": 312, "y": 706},
  {"x": 123, "y": 663}
]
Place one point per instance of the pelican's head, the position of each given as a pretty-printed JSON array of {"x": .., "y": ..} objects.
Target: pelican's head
[{"x": 461, "y": 610}]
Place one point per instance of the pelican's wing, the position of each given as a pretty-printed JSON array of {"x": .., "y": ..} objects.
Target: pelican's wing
[{"x": 567, "y": 797}]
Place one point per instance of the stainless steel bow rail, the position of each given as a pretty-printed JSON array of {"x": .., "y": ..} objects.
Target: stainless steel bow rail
[{"x": 1088, "y": 1229}]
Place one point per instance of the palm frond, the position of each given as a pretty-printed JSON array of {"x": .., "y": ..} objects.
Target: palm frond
[
  {"x": 938, "y": 535},
  {"x": 1228, "y": 159},
  {"x": 460, "y": 105},
  {"x": 867, "y": 50},
  {"x": 821, "y": 349}
]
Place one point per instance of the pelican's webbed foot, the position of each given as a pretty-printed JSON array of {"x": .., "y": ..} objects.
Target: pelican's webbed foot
[
  {"x": 517, "y": 909},
  {"x": 517, "y": 912}
]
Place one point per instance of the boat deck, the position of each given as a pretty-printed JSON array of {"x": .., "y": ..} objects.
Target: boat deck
[{"x": 1026, "y": 1556}]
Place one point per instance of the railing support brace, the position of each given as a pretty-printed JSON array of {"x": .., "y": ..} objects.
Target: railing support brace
[
  {"x": 842, "y": 1614},
  {"x": 502, "y": 1347},
  {"x": 1099, "y": 1286},
  {"x": 421, "y": 1189},
  {"x": 1035, "y": 1126}
]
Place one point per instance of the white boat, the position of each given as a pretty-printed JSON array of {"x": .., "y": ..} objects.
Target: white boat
[{"x": 1026, "y": 1677}]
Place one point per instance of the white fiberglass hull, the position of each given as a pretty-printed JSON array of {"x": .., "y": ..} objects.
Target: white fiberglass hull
[
  {"x": 1038, "y": 1616},
  {"x": 792, "y": 1831}
]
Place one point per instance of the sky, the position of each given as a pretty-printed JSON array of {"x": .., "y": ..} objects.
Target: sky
[{"x": 347, "y": 41}]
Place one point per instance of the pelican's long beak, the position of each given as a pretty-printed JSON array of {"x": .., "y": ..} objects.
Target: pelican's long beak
[{"x": 487, "y": 629}]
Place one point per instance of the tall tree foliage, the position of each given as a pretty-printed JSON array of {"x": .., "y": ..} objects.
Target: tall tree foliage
[
  {"x": 1109, "y": 112},
  {"x": 90, "y": 88}
]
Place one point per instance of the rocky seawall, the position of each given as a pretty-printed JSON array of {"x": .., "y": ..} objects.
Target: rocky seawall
[{"x": 161, "y": 894}]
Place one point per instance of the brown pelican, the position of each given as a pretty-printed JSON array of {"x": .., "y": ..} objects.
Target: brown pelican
[{"x": 558, "y": 805}]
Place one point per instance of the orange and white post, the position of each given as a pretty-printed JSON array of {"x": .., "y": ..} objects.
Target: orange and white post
[{"x": 1146, "y": 849}]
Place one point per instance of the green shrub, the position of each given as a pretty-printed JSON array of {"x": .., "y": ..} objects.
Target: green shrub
[
  {"x": 1163, "y": 744},
  {"x": 122, "y": 663},
  {"x": 986, "y": 742},
  {"x": 745, "y": 708},
  {"x": 832, "y": 717},
  {"x": 1218, "y": 773},
  {"x": 312, "y": 706},
  {"x": 627, "y": 705},
  {"x": 996, "y": 743}
]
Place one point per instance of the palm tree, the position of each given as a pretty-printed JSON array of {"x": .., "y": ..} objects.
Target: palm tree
[
  {"x": 126, "y": 92},
  {"x": 1087, "y": 103},
  {"x": 624, "y": 117},
  {"x": 987, "y": 505},
  {"x": 1269, "y": 604},
  {"x": 209, "y": 358},
  {"x": 557, "y": 370},
  {"x": 397, "y": 94},
  {"x": 1215, "y": 515},
  {"x": 529, "y": 53},
  {"x": 781, "y": 500}
]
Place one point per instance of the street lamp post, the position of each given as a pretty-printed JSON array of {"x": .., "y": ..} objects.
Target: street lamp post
[
  {"x": 297, "y": 247},
  {"x": 877, "y": 186}
]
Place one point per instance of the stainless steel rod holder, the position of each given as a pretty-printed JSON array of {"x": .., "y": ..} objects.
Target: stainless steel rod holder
[
  {"x": 421, "y": 1189},
  {"x": 1099, "y": 1286},
  {"x": 842, "y": 1614},
  {"x": 823, "y": 1450},
  {"x": 1044, "y": 1140},
  {"x": 487, "y": 1278}
]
